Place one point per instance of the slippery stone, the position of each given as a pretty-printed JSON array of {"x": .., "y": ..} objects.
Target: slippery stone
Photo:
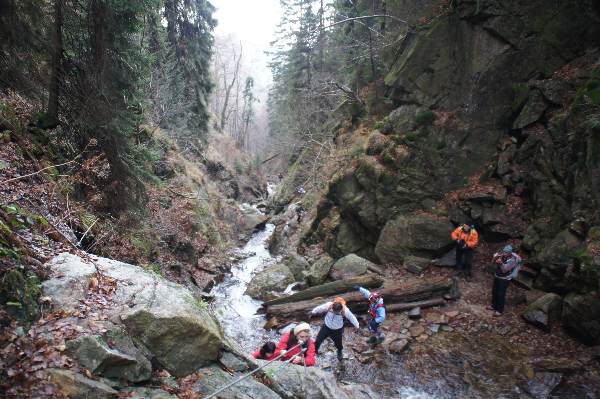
[
  {"x": 350, "y": 266},
  {"x": 544, "y": 312},
  {"x": 296, "y": 264},
  {"x": 76, "y": 386}
]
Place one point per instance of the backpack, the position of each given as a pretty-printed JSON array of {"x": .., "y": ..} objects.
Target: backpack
[{"x": 515, "y": 271}]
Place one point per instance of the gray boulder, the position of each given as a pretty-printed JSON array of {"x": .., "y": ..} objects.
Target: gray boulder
[
  {"x": 349, "y": 266},
  {"x": 413, "y": 235},
  {"x": 297, "y": 265},
  {"x": 544, "y": 311},
  {"x": 416, "y": 264},
  {"x": 147, "y": 393},
  {"x": 581, "y": 315},
  {"x": 174, "y": 327},
  {"x": 93, "y": 353},
  {"x": 76, "y": 386},
  {"x": 318, "y": 271},
  {"x": 291, "y": 381},
  {"x": 213, "y": 377},
  {"x": 273, "y": 278}
]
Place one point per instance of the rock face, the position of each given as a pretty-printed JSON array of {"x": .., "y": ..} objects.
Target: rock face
[
  {"x": 413, "y": 235},
  {"x": 75, "y": 386},
  {"x": 544, "y": 312},
  {"x": 172, "y": 326},
  {"x": 350, "y": 266},
  {"x": 297, "y": 265},
  {"x": 273, "y": 278},
  {"x": 213, "y": 378},
  {"x": 318, "y": 271}
]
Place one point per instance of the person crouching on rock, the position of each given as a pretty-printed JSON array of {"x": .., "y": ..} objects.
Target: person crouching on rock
[
  {"x": 466, "y": 239},
  {"x": 266, "y": 352},
  {"x": 288, "y": 346},
  {"x": 507, "y": 265},
  {"x": 333, "y": 327},
  {"x": 377, "y": 313}
]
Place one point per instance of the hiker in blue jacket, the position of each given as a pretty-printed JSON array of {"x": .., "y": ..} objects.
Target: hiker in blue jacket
[{"x": 377, "y": 312}]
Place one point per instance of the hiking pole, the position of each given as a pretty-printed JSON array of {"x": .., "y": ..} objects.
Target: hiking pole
[{"x": 212, "y": 395}]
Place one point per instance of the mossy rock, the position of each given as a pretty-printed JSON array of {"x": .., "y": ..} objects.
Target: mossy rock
[{"x": 21, "y": 293}]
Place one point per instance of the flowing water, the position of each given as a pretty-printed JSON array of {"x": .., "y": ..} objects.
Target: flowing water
[{"x": 237, "y": 313}]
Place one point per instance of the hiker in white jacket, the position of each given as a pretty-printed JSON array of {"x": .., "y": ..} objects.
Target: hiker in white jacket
[{"x": 333, "y": 327}]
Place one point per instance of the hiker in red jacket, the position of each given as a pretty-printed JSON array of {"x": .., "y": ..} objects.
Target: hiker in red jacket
[
  {"x": 266, "y": 352},
  {"x": 302, "y": 355}
]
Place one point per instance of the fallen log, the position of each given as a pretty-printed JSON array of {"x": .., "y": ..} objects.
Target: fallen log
[
  {"x": 401, "y": 307},
  {"x": 328, "y": 289},
  {"x": 408, "y": 291}
]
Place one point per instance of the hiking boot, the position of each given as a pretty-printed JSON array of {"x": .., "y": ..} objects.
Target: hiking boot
[{"x": 340, "y": 355}]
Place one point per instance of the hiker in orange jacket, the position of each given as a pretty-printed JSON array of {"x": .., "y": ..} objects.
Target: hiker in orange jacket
[{"x": 466, "y": 239}]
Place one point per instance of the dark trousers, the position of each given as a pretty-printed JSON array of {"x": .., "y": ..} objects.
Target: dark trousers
[
  {"x": 335, "y": 335},
  {"x": 499, "y": 293},
  {"x": 464, "y": 259}
]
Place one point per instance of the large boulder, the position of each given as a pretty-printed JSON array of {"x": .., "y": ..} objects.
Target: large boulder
[
  {"x": 76, "y": 386},
  {"x": 350, "y": 266},
  {"x": 544, "y": 311},
  {"x": 174, "y": 328},
  {"x": 416, "y": 264},
  {"x": 581, "y": 315},
  {"x": 318, "y": 271},
  {"x": 213, "y": 377},
  {"x": 146, "y": 393},
  {"x": 291, "y": 381},
  {"x": 273, "y": 278},
  {"x": 420, "y": 235}
]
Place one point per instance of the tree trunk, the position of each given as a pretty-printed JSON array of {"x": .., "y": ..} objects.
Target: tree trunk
[
  {"x": 230, "y": 87},
  {"x": 328, "y": 289},
  {"x": 430, "y": 292},
  {"x": 171, "y": 17},
  {"x": 56, "y": 73}
]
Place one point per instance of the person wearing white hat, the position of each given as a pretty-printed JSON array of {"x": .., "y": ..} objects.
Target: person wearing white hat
[{"x": 303, "y": 354}]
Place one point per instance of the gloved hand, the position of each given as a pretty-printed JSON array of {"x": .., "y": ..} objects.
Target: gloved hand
[{"x": 283, "y": 352}]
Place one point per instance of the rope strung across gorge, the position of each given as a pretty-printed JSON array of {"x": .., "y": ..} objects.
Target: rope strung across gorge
[{"x": 243, "y": 377}]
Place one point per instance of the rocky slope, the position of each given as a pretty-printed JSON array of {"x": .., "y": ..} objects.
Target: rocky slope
[{"x": 495, "y": 124}]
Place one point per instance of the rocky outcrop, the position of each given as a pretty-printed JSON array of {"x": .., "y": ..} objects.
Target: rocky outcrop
[
  {"x": 213, "y": 378},
  {"x": 173, "y": 328},
  {"x": 413, "y": 235},
  {"x": 581, "y": 315},
  {"x": 544, "y": 312},
  {"x": 350, "y": 266},
  {"x": 274, "y": 278}
]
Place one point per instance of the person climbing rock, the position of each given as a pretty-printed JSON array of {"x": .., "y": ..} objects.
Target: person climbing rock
[
  {"x": 507, "y": 265},
  {"x": 266, "y": 352},
  {"x": 377, "y": 313},
  {"x": 336, "y": 312},
  {"x": 303, "y": 354},
  {"x": 466, "y": 239}
]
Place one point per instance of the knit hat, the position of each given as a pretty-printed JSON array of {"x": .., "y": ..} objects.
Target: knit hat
[
  {"x": 301, "y": 327},
  {"x": 507, "y": 249}
]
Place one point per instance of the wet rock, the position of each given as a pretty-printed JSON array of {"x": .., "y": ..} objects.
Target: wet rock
[
  {"x": 544, "y": 312},
  {"x": 92, "y": 352},
  {"x": 147, "y": 393},
  {"x": 415, "y": 313},
  {"x": 76, "y": 386},
  {"x": 581, "y": 315},
  {"x": 272, "y": 278},
  {"x": 415, "y": 264},
  {"x": 213, "y": 377},
  {"x": 291, "y": 381},
  {"x": 413, "y": 235},
  {"x": 350, "y": 266},
  {"x": 318, "y": 271},
  {"x": 542, "y": 384}
]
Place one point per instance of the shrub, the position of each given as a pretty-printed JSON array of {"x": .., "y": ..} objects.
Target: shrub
[{"x": 425, "y": 118}]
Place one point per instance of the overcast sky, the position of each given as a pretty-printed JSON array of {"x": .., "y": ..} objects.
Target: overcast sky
[{"x": 253, "y": 22}]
